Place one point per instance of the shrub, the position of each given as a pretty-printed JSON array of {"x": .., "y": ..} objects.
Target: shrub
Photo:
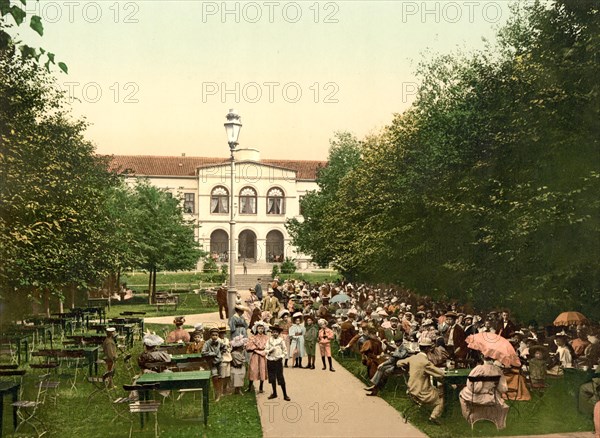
[
  {"x": 288, "y": 266},
  {"x": 209, "y": 265},
  {"x": 275, "y": 271}
]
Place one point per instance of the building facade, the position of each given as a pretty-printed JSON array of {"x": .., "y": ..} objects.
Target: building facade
[{"x": 266, "y": 194}]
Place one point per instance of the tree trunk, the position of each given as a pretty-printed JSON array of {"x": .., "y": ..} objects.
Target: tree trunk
[
  {"x": 72, "y": 296},
  {"x": 154, "y": 286},
  {"x": 150, "y": 286},
  {"x": 47, "y": 302}
]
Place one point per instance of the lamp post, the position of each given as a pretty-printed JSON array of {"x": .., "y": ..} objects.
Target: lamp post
[{"x": 232, "y": 127}]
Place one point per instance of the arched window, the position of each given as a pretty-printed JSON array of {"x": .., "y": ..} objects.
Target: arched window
[
  {"x": 247, "y": 201},
  {"x": 219, "y": 200},
  {"x": 275, "y": 201}
]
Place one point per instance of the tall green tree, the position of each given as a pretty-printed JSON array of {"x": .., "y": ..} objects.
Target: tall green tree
[
  {"x": 315, "y": 234},
  {"x": 54, "y": 230},
  {"x": 161, "y": 238}
]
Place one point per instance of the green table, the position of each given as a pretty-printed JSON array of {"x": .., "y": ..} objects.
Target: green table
[
  {"x": 5, "y": 389},
  {"x": 182, "y": 380},
  {"x": 453, "y": 377}
]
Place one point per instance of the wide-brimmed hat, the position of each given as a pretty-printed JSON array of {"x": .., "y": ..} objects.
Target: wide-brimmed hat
[
  {"x": 261, "y": 323},
  {"x": 282, "y": 312},
  {"x": 110, "y": 329},
  {"x": 451, "y": 314},
  {"x": 425, "y": 342},
  {"x": 179, "y": 320},
  {"x": 239, "y": 341},
  {"x": 297, "y": 315},
  {"x": 322, "y": 321},
  {"x": 394, "y": 319},
  {"x": 152, "y": 340},
  {"x": 427, "y": 322}
]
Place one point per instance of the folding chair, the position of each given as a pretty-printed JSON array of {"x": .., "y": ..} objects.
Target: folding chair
[
  {"x": 102, "y": 385},
  {"x": 478, "y": 412},
  {"x": 27, "y": 411},
  {"x": 143, "y": 407},
  {"x": 73, "y": 359}
]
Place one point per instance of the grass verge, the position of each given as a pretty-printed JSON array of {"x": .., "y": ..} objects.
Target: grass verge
[
  {"x": 74, "y": 415},
  {"x": 553, "y": 412}
]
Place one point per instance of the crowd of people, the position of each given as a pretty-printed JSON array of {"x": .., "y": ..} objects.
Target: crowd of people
[{"x": 392, "y": 330}]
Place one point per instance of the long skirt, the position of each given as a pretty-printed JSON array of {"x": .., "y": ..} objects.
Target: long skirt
[
  {"x": 237, "y": 376},
  {"x": 257, "y": 369},
  {"x": 275, "y": 369},
  {"x": 224, "y": 369},
  {"x": 310, "y": 347}
]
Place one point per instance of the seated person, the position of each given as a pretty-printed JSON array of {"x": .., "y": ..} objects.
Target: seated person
[
  {"x": 419, "y": 385},
  {"x": 386, "y": 369},
  {"x": 150, "y": 355},
  {"x": 482, "y": 400},
  {"x": 179, "y": 334}
]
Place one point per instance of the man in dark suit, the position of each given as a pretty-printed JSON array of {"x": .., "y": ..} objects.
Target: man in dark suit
[
  {"x": 454, "y": 337},
  {"x": 222, "y": 302},
  {"x": 258, "y": 289},
  {"x": 505, "y": 327}
]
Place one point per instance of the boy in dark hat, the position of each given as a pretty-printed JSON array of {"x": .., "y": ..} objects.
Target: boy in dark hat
[{"x": 276, "y": 351}]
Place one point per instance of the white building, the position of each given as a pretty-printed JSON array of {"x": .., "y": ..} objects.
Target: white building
[{"x": 267, "y": 193}]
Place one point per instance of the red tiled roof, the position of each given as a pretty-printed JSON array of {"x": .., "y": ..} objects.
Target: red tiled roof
[{"x": 152, "y": 165}]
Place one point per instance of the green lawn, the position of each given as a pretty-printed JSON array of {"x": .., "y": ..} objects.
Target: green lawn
[
  {"x": 189, "y": 304},
  {"x": 555, "y": 412},
  {"x": 74, "y": 417}
]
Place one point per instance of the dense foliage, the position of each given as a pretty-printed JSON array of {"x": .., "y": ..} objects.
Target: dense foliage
[
  {"x": 486, "y": 189},
  {"x": 66, "y": 223}
]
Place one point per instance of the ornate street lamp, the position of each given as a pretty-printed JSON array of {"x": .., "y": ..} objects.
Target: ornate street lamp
[{"x": 232, "y": 127}]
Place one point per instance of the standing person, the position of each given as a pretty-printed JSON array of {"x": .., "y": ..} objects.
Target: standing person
[
  {"x": 110, "y": 351},
  {"x": 311, "y": 334},
  {"x": 258, "y": 289},
  {"x": 505, "y": 327},
  {"x": 222, "y": 301},
  {"x": 237, "y": 323},
  {"x": 276, "y": 352},
  {"x": 271, "y": 304},
  {"x": 212, "y": 348},
  {"x": 197, "y": 340},
  {"x": 257, "y": 369},
  {"x": 179, "y": 334},
  {"x": 284, "y": 325},
  {"x": 325, "y": 337},
  {"x": 238, "y": 363},
  {"x": 419, "y": 385},
  {"x": 245, "y": 266},
  {"x": 455, "y": 338},
  {"x": 296, "y": 334},
  {"x": 225, "y": 365}
]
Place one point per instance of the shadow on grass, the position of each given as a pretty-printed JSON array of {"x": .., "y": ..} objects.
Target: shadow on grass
[
  {"x": 555, "y": 411},
  {"x": 74, "y": 416}
]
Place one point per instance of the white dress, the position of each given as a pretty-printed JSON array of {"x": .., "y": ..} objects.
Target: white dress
[{"x": 296, "y": 334}]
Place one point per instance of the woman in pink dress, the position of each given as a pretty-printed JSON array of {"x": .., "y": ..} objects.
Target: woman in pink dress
[{"x": 257, "y": 368}]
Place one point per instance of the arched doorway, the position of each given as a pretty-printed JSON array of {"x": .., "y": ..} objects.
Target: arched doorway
[
  {"x": 219, "y": 245},
  {"x": 247, "y": 245},
  {"x": 274, "y": 246}
]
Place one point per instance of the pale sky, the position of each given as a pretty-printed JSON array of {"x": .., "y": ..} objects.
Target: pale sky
[{"x": 157, "y": 77}]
